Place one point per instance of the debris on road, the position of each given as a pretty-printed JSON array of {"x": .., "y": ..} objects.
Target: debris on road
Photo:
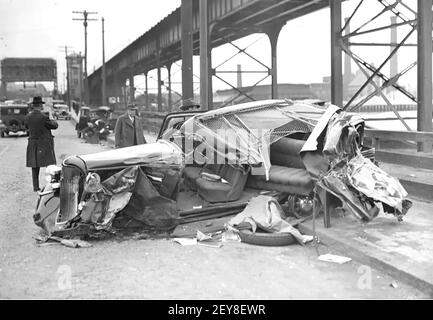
[
  {"x": 231, "y": 234},
  {"x": 209, "y": 239},
  {"x": 334, "y": 258},
  {"x": 186, "y": 241},
  {"x": 266, "y": 214},
  {"x": 71, "y": 243},
  {"x": 210, "y": 244}
]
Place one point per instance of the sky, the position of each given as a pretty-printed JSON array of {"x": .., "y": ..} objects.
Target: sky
[{"x": 41, "y": 28}]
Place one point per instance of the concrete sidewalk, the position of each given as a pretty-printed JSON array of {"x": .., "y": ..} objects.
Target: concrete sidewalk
[{"x": 404, "y": 250}]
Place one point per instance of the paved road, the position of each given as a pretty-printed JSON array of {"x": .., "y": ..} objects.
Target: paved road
[{"x": 158, "y": 269}]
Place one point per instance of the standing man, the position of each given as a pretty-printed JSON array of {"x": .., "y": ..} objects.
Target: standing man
[
  {"x": 40, "y": 147},
  {"x": 128, "y": 130}
]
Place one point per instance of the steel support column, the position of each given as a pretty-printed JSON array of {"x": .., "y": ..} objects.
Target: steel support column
[
  {"x": 3, "y": 90},
  {"x": 159, "y": 90},
  {"x": 117, "y": 90},
  {"x": 206, "y": 97},
  {"x": 425, "y": 70},
  {"x": 187, "y": 51},
  {"x": 169, "y": 87},
  {"x": 104, "y": 74},
  {"x": 336, "y": 54},
  {"x": 273, "y": 33},
  {"x": 147, "y": 91},
  {"x": 131, "y": 88},
  {"x": 158, "y": 69}
]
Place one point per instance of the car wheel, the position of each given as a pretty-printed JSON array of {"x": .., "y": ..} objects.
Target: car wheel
[
  {"x": 267, "y": 239},
  {"x": 2, "y": 134}
]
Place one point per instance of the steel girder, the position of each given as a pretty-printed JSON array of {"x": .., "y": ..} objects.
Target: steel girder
[
  {"x": 233, "y": 19},
  {"x": 344, "y": 43}
]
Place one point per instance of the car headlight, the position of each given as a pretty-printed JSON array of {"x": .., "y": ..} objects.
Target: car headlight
[{"x": 52, "y": 173}]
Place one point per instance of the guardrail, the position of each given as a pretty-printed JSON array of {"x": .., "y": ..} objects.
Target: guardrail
[
  {"x": 386, "y": 108},
  {"x": 414, "y": 137},
  {"x": 400, "y": 147}
]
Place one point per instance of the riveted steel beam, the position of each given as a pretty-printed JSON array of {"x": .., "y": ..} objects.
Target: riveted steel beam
[
  {"x": 187, "y": 50},
  {"x": 336, "y": 54},
  {"x": 425, "y": 70}
]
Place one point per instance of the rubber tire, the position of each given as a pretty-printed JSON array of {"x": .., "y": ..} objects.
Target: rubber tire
[
  {"x": 267, "y": 239},
  {"x": 2, "y": 134}
]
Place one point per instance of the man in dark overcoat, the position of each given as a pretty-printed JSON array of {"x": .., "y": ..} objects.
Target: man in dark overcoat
[
  {"x": 129, "y": 130},
  {"x": 40, "y": 147}
]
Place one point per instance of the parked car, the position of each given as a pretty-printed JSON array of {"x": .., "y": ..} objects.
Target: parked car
[
  {"x": 12, "y": 119},
  {"x": 212, "y": 163},
  {"x": 61, "y": 111}
]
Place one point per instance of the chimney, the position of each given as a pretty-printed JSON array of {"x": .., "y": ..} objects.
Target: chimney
[
  {"x": 239, "y": 75},
  {"x": 394, "y": 59}
]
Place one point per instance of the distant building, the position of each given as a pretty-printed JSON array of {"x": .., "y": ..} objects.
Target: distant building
[
  {"x": 263, "y": 92},
  {"x": 76, "y": 76},
  {"x": 25, "y": 91},
  {"x": 358, "y": 80}
]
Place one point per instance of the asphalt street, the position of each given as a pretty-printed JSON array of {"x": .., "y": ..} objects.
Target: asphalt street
[{"x": 145, "y": 268}]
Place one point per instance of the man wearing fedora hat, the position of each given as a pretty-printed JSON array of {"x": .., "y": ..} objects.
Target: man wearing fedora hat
[
  {"x": 128, "y": 130},
  {"x": 40, "y": 147}
]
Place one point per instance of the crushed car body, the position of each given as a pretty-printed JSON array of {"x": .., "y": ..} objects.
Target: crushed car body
[{"x": 211, "y": 164}]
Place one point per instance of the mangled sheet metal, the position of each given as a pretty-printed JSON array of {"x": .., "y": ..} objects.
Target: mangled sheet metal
[
  {"x": 361, "y": 185},
  {"x": 243, "y": 135},
  {"x": 102, "y": 201},
  {"x": 128, "y": 193}
]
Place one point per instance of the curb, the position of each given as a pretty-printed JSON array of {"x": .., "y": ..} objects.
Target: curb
[
  {"x": 418, "y": 190},
  {"x": 366, "y": 259}
]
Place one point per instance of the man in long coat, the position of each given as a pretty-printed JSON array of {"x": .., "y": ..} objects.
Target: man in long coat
[
  {"x": 40, "y": 147},
  {"x": 128, "y": 130}
]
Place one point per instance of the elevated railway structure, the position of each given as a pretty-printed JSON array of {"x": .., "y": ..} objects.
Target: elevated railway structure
[
  {"x": 177, "y": 37},
  {"x": 198, "y": 26}
]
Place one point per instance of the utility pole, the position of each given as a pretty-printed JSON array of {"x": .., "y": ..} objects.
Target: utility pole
[
  {"x": 104, "y": 83},
  {"x": 85, "y": 19},
  {"x": 68, "y": 88}
]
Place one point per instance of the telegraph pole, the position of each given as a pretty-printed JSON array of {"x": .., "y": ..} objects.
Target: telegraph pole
[
  {"x": 85, "y": 19},
  {"x": 68, "y": 88},
  {"x": 104, "y": 83}
]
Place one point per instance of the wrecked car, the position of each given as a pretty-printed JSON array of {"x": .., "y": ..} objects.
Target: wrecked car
[{"x": 210, "y": 164}]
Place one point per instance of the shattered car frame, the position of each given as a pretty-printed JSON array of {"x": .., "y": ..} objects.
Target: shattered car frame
[{"x": 212, "y": 163}]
